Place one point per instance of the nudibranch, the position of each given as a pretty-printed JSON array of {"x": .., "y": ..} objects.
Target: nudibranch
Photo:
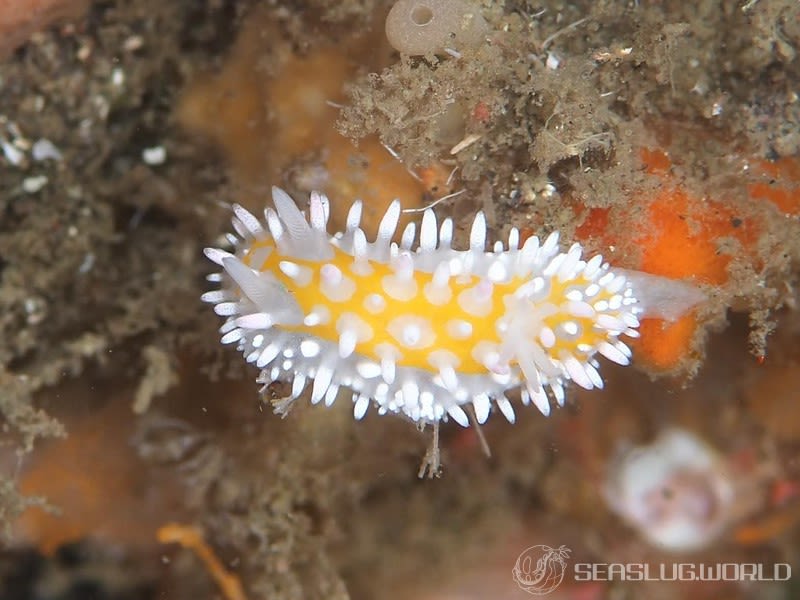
[{"x": 417, "y": 328}]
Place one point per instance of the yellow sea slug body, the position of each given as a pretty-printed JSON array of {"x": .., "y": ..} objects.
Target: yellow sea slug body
[{"x": 418, "y": 329}]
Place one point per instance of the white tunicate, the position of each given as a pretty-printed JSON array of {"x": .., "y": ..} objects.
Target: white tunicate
[
  {"x": 419, "y": 27},
  {"x": 678, "y": 492}
]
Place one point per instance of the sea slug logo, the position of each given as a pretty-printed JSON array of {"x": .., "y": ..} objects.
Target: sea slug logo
[{"x": 540, "y": 569}]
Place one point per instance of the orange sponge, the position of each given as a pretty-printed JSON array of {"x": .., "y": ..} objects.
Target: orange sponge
[
  {"x": 780, "y": 184},
  {"x": 679, "y": 236}
]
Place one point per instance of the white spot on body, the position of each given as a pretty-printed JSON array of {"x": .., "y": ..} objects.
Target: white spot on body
[
  {"x": 548, "y": 337},
  {"x": 568, "y": 330},
  {"x": 309, "y": 348},
  {"x": 412, "y": 331},
  {"x": 361, "y": 268},
  {"x": 443, "y": 358},
  {"x": 368, "y": 369},
  {"x": 299, "y": 274},
  {"x": 374, "y": 303},
  {"x": 601, "y": 305},
  {"x": 319, "y": 315},
  {"x": 591, "y": 290},
  {"x": 575, "y": 295},
  {"x": 459, "y": 329},
  {"x": 497, "y": 272},
  {"x": 335, "y": 285},
  {"x": 352, "y": 330},
  {"x": 437, "y": 290},
  {"x": 580, "y": 309},
  {"x": 488, "y": 354},
  {"x": 401, "y": 285},
  {"x": 537, "y": 289},
  {"x": 350, "y": 320},
  {"x": 477, "y": 300}
]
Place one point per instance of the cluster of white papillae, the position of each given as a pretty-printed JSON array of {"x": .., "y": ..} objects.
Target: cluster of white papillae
[{"x": 273, "y": 332}]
